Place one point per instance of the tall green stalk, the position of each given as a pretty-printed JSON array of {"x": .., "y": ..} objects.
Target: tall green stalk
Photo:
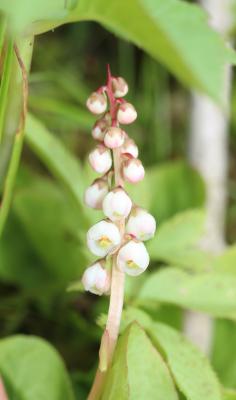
[{"x": 13, "y": 116}]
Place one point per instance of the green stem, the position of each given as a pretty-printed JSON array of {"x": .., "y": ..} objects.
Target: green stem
[
  {"x": 14, "y": 120},
  {"x": 3, "y": 26},
  {"x": 5, "y": 80}
]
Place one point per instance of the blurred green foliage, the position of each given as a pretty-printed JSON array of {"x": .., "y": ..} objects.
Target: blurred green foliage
[{"x": 43, "y": 248}]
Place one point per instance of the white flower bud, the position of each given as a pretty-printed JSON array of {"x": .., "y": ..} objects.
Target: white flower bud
[
  {"x": 141, "y": 224},
  {"x": 133, "y": 170},
  {"x": 103, "y": 238},
  {"x": 129, "y": 147},
  {"x": 99, "y": 128},
  {"x": 126, "y": 113},
  {"x": 117, "y": 205},
  {"x": 100, "y": 159},
  {"x": 133, "y": 258},
  {"x": 114, "y": 137},
  {"x": 119, "y": 87},
  {"x": 97, "y": 103},
  {"x": 95, "y": 193},
  {"x": 96, "y": 279}
]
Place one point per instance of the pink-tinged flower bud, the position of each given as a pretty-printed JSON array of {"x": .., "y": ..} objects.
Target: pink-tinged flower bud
[
  {"x": 95, "y": 193},
  {"x": 119, "y": 87},
  {"x": 129, "y": 147},
  {"x": 133, "y": 258},
  {"x": 126, "y": 113},
  {"x": 103, "y": 238},
  {"x": 100, "y": 159},
  {"x": 141, "y": 224},
  {"x": 117, "y": 205},
  {"x": 114, "y": 137},
  {"x": 97, "y": 103},
  {"x": 96, "y": 279},
  {"x": 133, "y": 170},
  {"x": 99, "y": 128}
]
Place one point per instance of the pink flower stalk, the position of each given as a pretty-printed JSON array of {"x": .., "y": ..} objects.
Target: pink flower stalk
[{"x": 118, "y": 237}]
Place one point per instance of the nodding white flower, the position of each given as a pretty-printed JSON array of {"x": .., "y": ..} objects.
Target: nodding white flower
[
  {"x": 117, "y": 204},
  {"x": 114, "y": 137},
  {"x": 129, "y": 147},
  {"x": 97, "y": 103},
  {"x": 100, "y": 159},
  {"x": 119, "y": 87},
  {"x": 133, "y": 170},
  {"x": 133, "y": 258},
  {"x": 126, "y": 113},
  {"x": 103, "y": 238},
  {"x": 95, "y": 193},
  {"x": 141, "y": 224},
  {"x": 96, "y": 279}
]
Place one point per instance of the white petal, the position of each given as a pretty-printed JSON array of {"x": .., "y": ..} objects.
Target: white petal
[{"x": 133, "y": 252}]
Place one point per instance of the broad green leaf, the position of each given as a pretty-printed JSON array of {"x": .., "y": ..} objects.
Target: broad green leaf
[
  {"x": 213, "y": 293},
  {"x": 162, "y": 184},
  {"x": 22, "y": 266},
  {"x": 223, "y": 354},
  {"x": 24, "y": 13},
  {"x": 191, "y": 370},
  {"x": 174, "y": 32},
  {"x": 55, "y": 228},
  {"x": 226, "y": 262},
  {"x": 32, "y": 369},
  {"x": 229, "y": 394},
  {"x": 138, "y": 371},
  {"x": 177, "y": 241}
]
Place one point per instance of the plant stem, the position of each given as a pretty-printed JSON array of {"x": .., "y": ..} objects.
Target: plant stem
[
  {"x": 110, "y": 335},
  {"x": 208, "y": 153},
  {"x": 14, "y": 121}
]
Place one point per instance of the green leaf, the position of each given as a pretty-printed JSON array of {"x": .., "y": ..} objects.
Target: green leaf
[
  {"x": 24, "y": 13},
  {"x": 162, "y": 184},
  {"x": 174, "y": 32},
  {"x": 177, "y": 241},
  {"x": 55, "y": 228},
  {"x": 191, "y": 370},
  {"x": 226, "y": 262},
  {"x": 138, "y": 371},
  {"x": 213, "y": 293},
  {"x": 223, "y": 356},
  {"x": 32, "y": 369},
  {"x": 229, "y": 394}
]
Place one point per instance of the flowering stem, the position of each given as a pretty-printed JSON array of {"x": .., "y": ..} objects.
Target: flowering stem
[
  {"x": 14, "y": 121},
  {"x": 110, "y": 335}
]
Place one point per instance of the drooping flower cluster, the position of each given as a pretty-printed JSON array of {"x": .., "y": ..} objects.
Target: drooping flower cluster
[{"x": 106, "y": 237}]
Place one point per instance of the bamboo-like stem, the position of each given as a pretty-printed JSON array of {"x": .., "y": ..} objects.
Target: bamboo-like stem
[
  {"x": 5, "y": 81},
  {"x": 16, "y": 127},
  {"x": 110, "y": 335},
  {"x": 209, "y": 155}
]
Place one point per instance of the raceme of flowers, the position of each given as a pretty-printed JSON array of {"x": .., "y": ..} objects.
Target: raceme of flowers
[{"x": 106, "y": 238}]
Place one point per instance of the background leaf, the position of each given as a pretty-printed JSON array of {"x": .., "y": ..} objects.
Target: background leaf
[
  {"x": 213, "y": 293},
  {"x": 178, "y": 241},
  {"x": 174, "y": 32},
  {"x": 32, "y": 369}
]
